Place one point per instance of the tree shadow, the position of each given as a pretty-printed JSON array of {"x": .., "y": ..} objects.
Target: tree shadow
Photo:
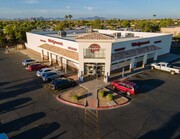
[
  {"x": 85, "y": 96},
  {"x": 38, "y": 132},
  {"x": 55, "y": 137},
  {"x": 17, "y": 124},
  {"x": 117, "y": 96},
  {"x": 21, "y": 89},
  {"x": 148, "y": 85},
  {"x": 13, "y": 105},
  {"x": 3, "y": 83},
  {"x": 166, "y": 131}
]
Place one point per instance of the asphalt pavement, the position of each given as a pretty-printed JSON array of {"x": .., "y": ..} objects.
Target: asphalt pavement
[{"x": 27, "y": 110}]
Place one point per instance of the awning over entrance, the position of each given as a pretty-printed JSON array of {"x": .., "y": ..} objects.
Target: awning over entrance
[
  {"x": 61, "y": 51},
  {"x": 133, "y": 52}
]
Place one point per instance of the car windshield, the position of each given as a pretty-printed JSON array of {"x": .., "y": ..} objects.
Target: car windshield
[
  {"x": 40, "y": 70},
  {"x": 29, "y": 60},
  {"x": 50, "y": 74},
  {"x": 57, "y": 81},
  {"x": 47, "y": 70},
  {"x": 169, "y": 65}
]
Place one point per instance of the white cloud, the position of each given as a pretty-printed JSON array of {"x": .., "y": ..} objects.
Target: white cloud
[
  {"x": 31, "y": 1},
  {"x": 88, "y": 8},
  {"x": 43, "y": 11}
]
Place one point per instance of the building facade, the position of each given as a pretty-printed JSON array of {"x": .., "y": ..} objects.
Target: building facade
[
  {"x": 100, "y": 53},
  {"x": 175, "y": 30}
]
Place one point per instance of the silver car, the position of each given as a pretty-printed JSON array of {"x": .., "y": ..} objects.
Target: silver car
[
  {"x": 26, "y": 62},
  {"x": 49, "y": 76},
  {"x": 42, "y": 71}
]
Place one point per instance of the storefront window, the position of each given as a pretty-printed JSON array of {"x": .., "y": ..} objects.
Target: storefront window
[
  {"x": 90, "y": 53},
  {"x": 94, "y": 69}
]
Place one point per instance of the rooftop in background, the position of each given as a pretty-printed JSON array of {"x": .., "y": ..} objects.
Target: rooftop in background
[
  {"x": 171, "y": 27},
  {"x": 97, "y": 34}
]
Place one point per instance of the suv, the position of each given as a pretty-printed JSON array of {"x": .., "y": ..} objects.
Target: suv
[
  {"x": 127, "y": 87},
  {"x": 49, "y": 76},
  {"x": 36, "y": 67},
  {"x": 62, "y": 83}
]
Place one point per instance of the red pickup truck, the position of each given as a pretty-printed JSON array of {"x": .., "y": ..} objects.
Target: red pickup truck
[
  {"x": 36, "y": 67},
  {"x": 127, "y": 87}
]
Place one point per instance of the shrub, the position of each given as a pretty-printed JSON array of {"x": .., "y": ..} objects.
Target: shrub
[
  {"x": 101, "y": 93},
  {"x": 75, "y": 97},
  {"x": 109, "y": 97}
]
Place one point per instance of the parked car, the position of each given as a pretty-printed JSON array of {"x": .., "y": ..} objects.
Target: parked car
[
  {"x": 166, "y": 67},
  {"x": 49, "y": 76},
  {"x": 26, "y": 62},
  {"x": 62, "y": 83},
  {"x": 37, "y": 66},
  {"x": 42, "y": 71},
  {"x": 130, "y": 88}
]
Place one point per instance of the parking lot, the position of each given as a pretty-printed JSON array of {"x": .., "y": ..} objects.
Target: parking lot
[{"x": 28, "y": 110}]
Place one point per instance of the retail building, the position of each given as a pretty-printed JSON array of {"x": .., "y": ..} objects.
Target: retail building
[{"x": 101, "y": 52}]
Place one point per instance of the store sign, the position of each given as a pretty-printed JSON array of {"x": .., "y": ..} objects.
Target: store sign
[
  {"x": 140, "y": 43},
  {"x": 119, "y": 49},
  {"x": 94, "y": 47},
  {"x": 71, "y": 48},
  {"x": 42, "y": 40},
  {"x": 158, "y": 41},
  {"x": 54, "y": 42}
]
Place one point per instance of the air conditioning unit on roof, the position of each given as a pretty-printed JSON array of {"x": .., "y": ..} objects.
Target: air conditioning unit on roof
[{"x": 117, "y": 35}]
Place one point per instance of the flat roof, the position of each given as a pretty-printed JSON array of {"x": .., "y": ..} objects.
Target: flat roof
[{"x": 72, "y": 35}]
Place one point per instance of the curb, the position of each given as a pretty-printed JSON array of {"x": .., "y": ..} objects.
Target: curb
[
  {"x": 99, "y": 108},
  {"x": 69, "y": 102}
]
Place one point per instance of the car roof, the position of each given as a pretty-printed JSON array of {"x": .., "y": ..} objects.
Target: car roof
[
  {"x": 46, "y": 69},
  {"x": 63, "y": 79},
  {"x": 35, "y": 64},
  {"x": 47, "y": 73},
  {"x": 163, "y": 63},
  {"x": 126, "y": 82},
  {"x": 28, "y": 59}
]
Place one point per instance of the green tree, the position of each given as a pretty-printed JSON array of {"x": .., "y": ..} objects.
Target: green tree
[
  {"x": 70, "y": 16},
  {"x": 2, "y": 38},
  {"x": 126, "y": 23},
  {"x": 96, "y": 24},
  {"x": 66, "y": 17},
  {"x": 60, "y": 26}
]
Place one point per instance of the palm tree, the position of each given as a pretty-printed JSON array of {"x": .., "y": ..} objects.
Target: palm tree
[
  {"x": 66, "y": 17},
  {"x": 70, "y": 16}
]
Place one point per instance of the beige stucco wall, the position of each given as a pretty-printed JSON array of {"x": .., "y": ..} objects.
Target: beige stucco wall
[
  {"x": 107, "y": 45},
  {"x": 174, "y": 30}
]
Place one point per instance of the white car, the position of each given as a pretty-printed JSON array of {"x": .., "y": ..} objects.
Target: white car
[
  {"x": 165, "y": 67},
  {"x": 42, "y": 71}
]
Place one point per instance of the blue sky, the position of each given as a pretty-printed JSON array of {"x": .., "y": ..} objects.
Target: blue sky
[{"x": 124, "y": 9}]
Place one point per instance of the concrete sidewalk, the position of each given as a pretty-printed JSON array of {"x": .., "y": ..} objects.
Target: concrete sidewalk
[
  {"x": 92, "y": 87},
  {"x": 32, "y": 54}
]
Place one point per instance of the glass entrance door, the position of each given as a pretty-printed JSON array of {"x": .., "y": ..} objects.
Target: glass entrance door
[{"x": 94, "y": 69}]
